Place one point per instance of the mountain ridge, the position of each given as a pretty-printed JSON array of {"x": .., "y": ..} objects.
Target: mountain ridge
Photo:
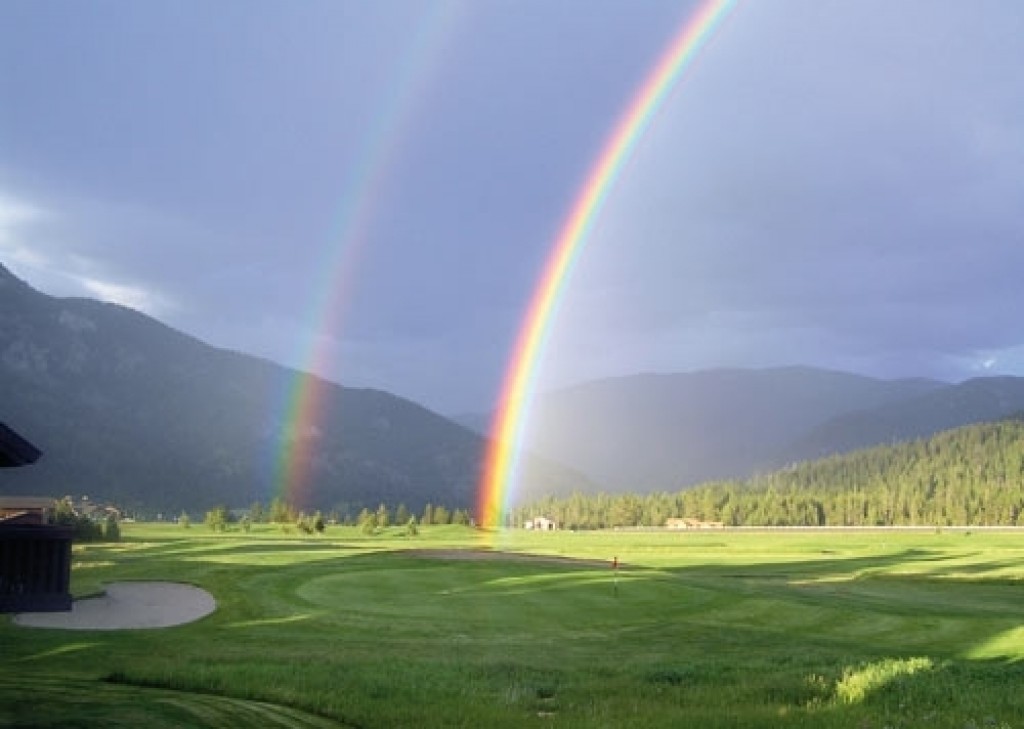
[{"x": 131, "y": 410}]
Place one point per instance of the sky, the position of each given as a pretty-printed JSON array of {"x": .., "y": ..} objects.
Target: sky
[{"x": 369, "y": 190}]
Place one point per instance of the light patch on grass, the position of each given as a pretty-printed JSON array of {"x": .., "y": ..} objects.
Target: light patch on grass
[
  {"x": 532, "y": 583},
  {"x": 825, "y": 580},
  {"x": 59, "y": 650},
  {"x": 857, "y": 683},
  {"x": 276, "y": 557},
  {"x": 91, "y": 565},
  {"x": 1008, "y": 644},
  {"x": 274, "y": 621}
]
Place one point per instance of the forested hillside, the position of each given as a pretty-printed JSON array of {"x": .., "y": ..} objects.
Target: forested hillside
[
  {"x": 970, "y": 476},
  {"x": 128, "y": 410}
]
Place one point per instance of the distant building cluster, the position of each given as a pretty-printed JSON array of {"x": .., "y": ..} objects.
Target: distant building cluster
[
  {"x": 687, "y": 523},
  {"x": 45, "y": 510},
  {"x": 93, "y": 510},
  {"x": 540, "y": 523}
]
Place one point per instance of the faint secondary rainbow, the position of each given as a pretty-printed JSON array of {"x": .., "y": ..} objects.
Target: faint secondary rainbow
[
  {"x": 510, "y": 418},
  {"x": 304, "y": 404}
]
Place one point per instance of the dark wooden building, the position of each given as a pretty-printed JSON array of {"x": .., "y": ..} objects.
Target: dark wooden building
[
  {"x": 35, "y": 555},
  {"x": 35, "y": 568}
]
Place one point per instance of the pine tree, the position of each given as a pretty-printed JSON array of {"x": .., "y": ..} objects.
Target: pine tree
[{"x": 367, "y": 521}]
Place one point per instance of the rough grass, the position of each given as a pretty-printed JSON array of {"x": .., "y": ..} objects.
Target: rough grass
[{"x": 723, "y": 629}]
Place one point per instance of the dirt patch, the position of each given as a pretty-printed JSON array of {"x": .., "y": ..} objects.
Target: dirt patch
[{"x": 129, "y": 605}]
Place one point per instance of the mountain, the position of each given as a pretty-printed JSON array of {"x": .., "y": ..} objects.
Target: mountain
[
  {"x": 668, "y": 431},
  {"x": 979, "y": 400},
  {"x": 665, "y": 431},
  {"x": 129, "y": 410}
]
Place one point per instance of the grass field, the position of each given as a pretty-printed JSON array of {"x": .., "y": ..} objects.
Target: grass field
[{"x": 715, "y": 629}]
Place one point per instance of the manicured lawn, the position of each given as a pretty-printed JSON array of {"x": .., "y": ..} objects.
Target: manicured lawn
[{"x": 714, "y": 629}]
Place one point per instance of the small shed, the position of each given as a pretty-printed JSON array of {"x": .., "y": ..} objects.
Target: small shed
[{"x": 541, "y": 523}]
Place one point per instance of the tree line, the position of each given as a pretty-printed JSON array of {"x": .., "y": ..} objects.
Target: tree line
[
  {"x": 970, "y": 476},
  {"x": 280, "y": 511},
  {"x": 85, "y": 528}
]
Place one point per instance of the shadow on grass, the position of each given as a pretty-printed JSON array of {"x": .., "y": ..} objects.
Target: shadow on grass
[{"x": 116, "y": 703}]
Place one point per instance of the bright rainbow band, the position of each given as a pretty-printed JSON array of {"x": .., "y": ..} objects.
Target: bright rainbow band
[{"x": 500, "y": 465}]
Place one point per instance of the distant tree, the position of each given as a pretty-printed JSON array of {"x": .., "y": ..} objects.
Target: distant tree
[
  {"x": 367, "y": 521},
  {"x": 460, "y": 516},
  {"x": 184, "y": 520},
  {"x": 246, "y": 524},
  {"x": 383, "y": 517},
  {"x": 626, "y": 511},
  {"x": 411, "y": 530},
  {"x": 441, "y": 515},
  {"x": 111, "y": 530},
  {"x": 428, "y": 515},
  {"x": 63, "y": 511},
  {"x": 402, "y": 514},
  {"x": 281, "y": 512},
  {"x": 83, "y": 529},
  {"x": 217, "y": 518},
  {"x": 318, "y": 523},
  {"x": 256, "y": 513}
]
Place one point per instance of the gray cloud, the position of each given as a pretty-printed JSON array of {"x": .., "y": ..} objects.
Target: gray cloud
[{"x": 831, "y": 183}]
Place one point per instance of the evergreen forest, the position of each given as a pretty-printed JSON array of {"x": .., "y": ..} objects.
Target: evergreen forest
[{"x": 969, "y": 476}]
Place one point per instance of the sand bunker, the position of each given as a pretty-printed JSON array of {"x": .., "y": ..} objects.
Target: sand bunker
[{"x": 127, "y": 605}]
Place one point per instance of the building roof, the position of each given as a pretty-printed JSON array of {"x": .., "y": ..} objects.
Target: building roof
[
  {"x": 27, "y": 502},
  {"x": 15, "y": 450},
  {"x": 25, "y": 510}
]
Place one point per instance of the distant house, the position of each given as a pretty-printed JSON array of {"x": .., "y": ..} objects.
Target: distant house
[
  {"x": 540, "y": 523},
  {"x": 91, "y": 509},
  {"x": 688, "y": 523}
]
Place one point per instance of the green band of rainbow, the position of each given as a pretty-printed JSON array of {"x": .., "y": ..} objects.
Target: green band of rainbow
[{"x": 510, "y": 418}]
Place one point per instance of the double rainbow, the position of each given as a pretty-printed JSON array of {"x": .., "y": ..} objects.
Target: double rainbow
[
  {"x": 510, "y": 418},
  {"x": 304, "y": 398}
]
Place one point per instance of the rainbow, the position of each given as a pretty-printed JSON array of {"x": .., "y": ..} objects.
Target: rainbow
[
  {"x": 304, "y": 402},
  {"x": 499, "y": 473}
]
